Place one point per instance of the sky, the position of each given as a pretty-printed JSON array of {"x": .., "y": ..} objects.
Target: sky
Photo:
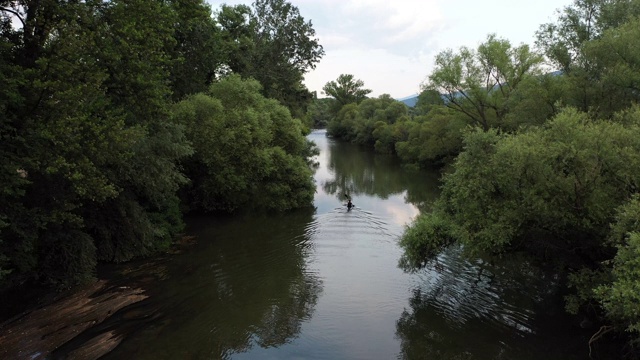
[{"x": 391, "y": 44}]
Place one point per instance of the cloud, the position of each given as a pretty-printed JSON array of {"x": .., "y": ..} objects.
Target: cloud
[
  {"x": 381, "y": 70},
  {"x": 400, "y": 26},
  {"x": 385, "y": 43},
  {"x": 391, "y": 45}
]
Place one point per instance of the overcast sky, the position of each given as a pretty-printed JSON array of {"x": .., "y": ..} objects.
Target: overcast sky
[{"x": 391, "y": 44}]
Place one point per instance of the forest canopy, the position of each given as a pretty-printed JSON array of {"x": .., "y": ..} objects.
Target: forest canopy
[{"x": 113, "y": 125}]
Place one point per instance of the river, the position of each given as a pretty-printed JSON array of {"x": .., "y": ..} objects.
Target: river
[{"x": 324, "y": 283}]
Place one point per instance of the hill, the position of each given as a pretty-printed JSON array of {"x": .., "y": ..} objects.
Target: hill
[{"x": 410, "y": 100}]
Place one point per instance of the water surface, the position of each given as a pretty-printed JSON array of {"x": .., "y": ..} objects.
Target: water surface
[{"x": 324, "y": 283}]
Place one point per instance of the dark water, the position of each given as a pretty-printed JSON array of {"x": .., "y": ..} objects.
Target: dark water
[{"x": 324, "y": 284}]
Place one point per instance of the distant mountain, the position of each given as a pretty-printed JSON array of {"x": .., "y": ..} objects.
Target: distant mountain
[{"x": 410, "y": 100}]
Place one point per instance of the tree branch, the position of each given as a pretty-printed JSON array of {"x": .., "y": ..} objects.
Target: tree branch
[
  {"x": 17, "y": 14},
  {"x": 603, "y": 330}
]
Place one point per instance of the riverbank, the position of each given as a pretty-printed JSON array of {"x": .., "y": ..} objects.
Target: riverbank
[
  {"x": 75, "y": 323},
  {"x": 37, "y": 333}
]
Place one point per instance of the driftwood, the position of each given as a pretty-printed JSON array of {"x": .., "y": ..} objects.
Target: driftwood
[{"x": 36, "y": 334}]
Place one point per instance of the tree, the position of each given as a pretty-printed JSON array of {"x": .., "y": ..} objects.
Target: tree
[
  {"x": 147, "y": 205},
  {"x": 88, "y": 143},
  {"x": 579, "y": 23},
  {"x": 249, "y": 152},
  {"x": 237, "y": 28},
  {"x": 617, "y": 80},
  {"x": 427, "y": 99},
  {"x": 346, "y": 90},
  {"x": 538, "y": 99},
  {"x": 551, "y": 192},
  {"x": 277, "y": 48},
  {"x": 197, "y": 55},
  {"x": 620, "y": 297},
  {"x": 372, "y": 123},
  {"x": 571, "y": 45},
  {"x": 319, "y": 113},
  {"x": 343, "y": 125},
  {"x": 480, "y": 83},
  {"x": 433, "y": 139}
]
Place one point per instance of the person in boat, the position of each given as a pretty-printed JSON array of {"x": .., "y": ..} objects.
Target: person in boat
[{"x": 349, "y": 204}]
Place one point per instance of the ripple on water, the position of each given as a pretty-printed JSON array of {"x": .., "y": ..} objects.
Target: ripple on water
[
  {"x": 340, "y": 223},
  {"x": 464, "y": 292}
]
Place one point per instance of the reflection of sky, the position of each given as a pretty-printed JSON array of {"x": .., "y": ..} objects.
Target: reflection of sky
[
  {"x": 364, "y": 293},
  {"x": 394, "y": 208},
  {"x": 355, "y": 255}
]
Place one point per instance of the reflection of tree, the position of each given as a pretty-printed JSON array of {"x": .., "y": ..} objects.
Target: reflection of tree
[
  {"x": 248, "y": 285},
  {"x": 475, "y": 310},
  {"x": 420, "y": 332},
  {"x": 361, "y": 171}
]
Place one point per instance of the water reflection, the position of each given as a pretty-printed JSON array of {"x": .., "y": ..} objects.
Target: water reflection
[
  {"x": 508, "y": 309},
  {"x": 453, "y": 309},
  {"x": 325, "y": 284},
  {"x": 359, "y": 171},
  {"x": 245, "y": 283}
]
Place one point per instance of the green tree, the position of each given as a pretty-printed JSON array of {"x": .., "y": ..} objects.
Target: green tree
[
  {"x": 197, "y": 54},
  {"x": 249, "y": 152},
  {"x": 552, "y": 192},
  {"x": 565, "y": 194},
  {"x": 277, "y": 48},
  {"x": 579, "y": 23},
  {"x": 538, "y": 99},
  {"x": 621, "y": 296},
  {"x": 480, "y": 83},
  {"x": 60, "y": 136},
  {"x": 573, "y": 44},
  {"x": 319, "y": 113},
  {"x": 343, "y": 125},
  {"x": 346, "y": 90},
  {"x": 237, "y": 30},
  {"x": 148, "y": 182},
  {"x": 427, "y": 99},
  {"x": 87, "y": 136},
  {"x": 434, "y": 139},
  {"x": 372, "y": 123},
  {"x": 617, "y": 62}
]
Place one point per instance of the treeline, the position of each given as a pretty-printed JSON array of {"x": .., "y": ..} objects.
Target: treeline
[
  {"x": 546, "y": 163},
  {"x": 118, "y": 116}
]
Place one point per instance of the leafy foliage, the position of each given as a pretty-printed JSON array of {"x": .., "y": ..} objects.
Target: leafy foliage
[
  {"x": 480, "y": 83},
  {"x": 619, "y": 291},
  {"x": 590, "y": 44},
  {"x": 196, "y": 55},
  {"x": 273, "y": 44},
  {"x": 551, "y": 171},
  {"x": 556, "y": 186},
  {"x": 424, "y": 239},
  {"x": 552, "y": 192},
  {"x": 427, "y": 100},
  {"x": 346, "y": 90},
  {"x": 432, "y": 139},
  {"x": 248, "y": 150},
  {"x": 90, "y": 152},
  {"x": 379, "y": 123},
  {"x": 319, "y": 113}
]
